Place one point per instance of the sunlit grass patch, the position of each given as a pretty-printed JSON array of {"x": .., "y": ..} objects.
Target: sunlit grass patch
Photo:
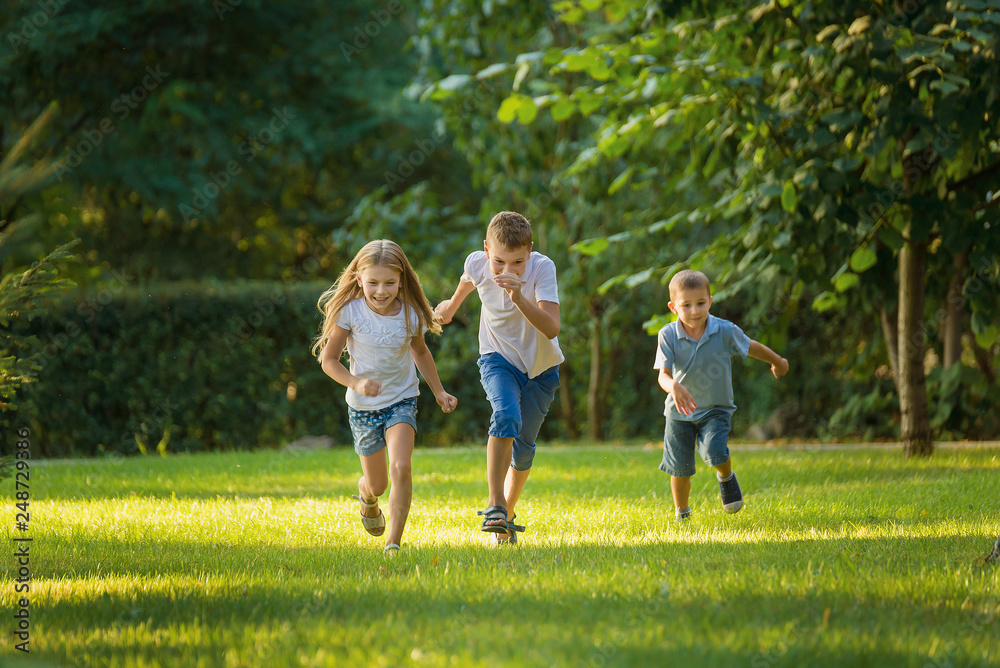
[{"x": 840, "y": 557}]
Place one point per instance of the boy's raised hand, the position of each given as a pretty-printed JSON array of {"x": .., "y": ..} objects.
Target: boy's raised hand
[
  {"x": 446, "y": 401},
  {"x": 442, "y": 313},
  {"x": 780, "y": 369},
  {"x": 511, "y": 283}
]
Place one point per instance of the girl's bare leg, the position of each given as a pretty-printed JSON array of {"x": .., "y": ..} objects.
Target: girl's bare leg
[{"x": 399, "y": 439}]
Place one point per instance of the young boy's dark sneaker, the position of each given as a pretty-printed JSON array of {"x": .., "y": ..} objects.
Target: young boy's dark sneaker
[
  {"x": 732, "y": 495},
  {"x": 682, "y": 515}
]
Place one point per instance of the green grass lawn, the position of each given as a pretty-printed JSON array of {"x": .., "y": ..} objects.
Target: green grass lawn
[{"x": 847, "y": 557}]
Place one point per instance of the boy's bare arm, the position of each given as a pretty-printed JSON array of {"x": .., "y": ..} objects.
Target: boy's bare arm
[
  {"x": 445, "y": 311},
  {"x": 779, "y": 365},
  {"x": 682, "y": 398},
  {"x": 335, "y": 369},
  {"x": 543, "y": 316}
]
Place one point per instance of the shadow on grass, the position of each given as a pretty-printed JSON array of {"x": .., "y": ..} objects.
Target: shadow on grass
[{"x": 551, "y": 605}]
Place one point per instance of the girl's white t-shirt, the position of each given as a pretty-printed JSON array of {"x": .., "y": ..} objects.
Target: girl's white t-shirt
[
  {"x": 502, "y": 328},
  {"x": 379, "y": 348}
]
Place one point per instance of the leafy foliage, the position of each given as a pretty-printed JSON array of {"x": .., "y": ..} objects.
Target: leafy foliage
[
  {"x": 791, "y": 150},
  {"x": 22, "y": 291},
  {"x": 200, "y": 139}
]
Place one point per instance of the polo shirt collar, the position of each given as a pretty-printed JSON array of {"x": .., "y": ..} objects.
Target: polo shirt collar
[{"x": 711, "y": 327}]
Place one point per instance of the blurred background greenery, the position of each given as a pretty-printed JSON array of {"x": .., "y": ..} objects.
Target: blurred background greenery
[{"x": 180, "y": 180}]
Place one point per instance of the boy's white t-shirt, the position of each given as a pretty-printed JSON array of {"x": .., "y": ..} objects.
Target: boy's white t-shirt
[
  {"x": 502, "y": 328},
  {"x": 379, "y": 347}
]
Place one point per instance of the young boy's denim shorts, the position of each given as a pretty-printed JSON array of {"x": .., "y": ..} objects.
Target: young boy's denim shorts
[
  {"x": 369, "y": 427},
  {"x": 709, "y": 435},
  {"x": 520, "y": 404}
]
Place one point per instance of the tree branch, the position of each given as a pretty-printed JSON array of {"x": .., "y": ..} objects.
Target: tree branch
[
  {"x": 964, "y": 183},
  {"x": 982, "y": 206}
]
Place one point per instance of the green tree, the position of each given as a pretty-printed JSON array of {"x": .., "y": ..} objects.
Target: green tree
[
  {"x": 841, "y": 147},
  {"x": 22, "y": 291},
  {"x": 476, "y": 58},
  {"x": 222, "y": 139}
]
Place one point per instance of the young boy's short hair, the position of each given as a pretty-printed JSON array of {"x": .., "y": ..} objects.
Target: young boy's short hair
[
  {"x": 689, "y": 279},
  {"x": 509, "y": 229}
]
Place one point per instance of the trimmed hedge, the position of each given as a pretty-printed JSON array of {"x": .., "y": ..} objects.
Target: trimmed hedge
[
  {"x": 223, "y": 366},
  {"x": 211, "y": 366}
]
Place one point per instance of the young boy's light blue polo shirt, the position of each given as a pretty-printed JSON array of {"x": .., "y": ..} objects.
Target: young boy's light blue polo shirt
[{"x": 703, "y": 367}]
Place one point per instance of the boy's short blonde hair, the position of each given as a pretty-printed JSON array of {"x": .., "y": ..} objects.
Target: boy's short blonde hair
[
  {"x": 509, "y": 229},
  {"x": 689, "y": 279}
]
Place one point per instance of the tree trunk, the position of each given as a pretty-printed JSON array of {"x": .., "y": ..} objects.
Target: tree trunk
[
  {"x": 566, "y": 401},
  {"x": 890, "y": 330},
  {"x": 915, "y": 427},
  {"x": 595, "y": 407},
  {"x": 951, "y": 314}
]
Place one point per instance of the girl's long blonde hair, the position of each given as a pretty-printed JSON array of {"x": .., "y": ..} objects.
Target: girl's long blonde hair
[{"x": 379, "y": 253}]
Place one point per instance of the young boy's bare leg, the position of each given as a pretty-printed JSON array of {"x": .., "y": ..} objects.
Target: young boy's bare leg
[
  {"x": 498, "y": 452},
  {"x": 399, "y": 444},
  {"x": 680, "y": 488},
  {"x": 729, "y": 488},
  {"x": 724, "y": 470}
]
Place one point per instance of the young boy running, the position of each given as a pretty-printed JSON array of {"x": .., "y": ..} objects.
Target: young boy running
[
  {"x": 694, "y": 356},
  {"x": 519, "y": 355}
]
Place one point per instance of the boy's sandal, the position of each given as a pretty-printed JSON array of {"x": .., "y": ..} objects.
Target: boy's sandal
[
  {"x": 391, "y": 550},
  {"x": 493, "y": 514},
  {"x": 512, "y": 529},
  {"x": 373, "y": 525}
]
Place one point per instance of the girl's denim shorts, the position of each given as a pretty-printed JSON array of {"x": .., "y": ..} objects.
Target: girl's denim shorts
[{"x": 369, "y": 427}]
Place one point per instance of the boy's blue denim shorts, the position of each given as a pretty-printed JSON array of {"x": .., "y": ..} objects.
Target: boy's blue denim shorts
[
  {"x": 709, "y": 435},
  {"x": 369, "y": 427},
  {"x": 520, "y": 404}
]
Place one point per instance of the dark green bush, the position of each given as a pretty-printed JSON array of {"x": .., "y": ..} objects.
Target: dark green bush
[
  {"x": 217, "y": 366},
  {"x": 201, "y": 366}
]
